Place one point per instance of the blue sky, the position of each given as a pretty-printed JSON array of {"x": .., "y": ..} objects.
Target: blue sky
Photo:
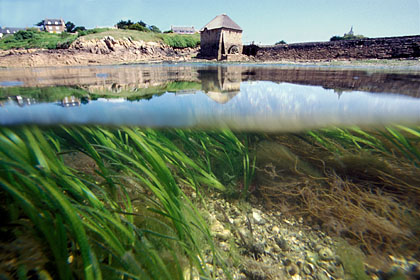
[{"x": 263, "y": 21}]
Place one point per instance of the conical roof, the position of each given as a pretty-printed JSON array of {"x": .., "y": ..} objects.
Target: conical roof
[{"x": 222, "y": 21}]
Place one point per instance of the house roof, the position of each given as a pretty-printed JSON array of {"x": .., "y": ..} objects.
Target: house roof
[
  {"x": 10, "y": 30},
  {"x": 53, "y": 21},
  {"x": 221, "y": 21},
  {"x": 183, "y": 29}
]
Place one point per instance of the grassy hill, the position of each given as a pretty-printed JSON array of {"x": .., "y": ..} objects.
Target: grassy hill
[
  {"x": 35, "y": 39},
  {"x": 27, "y": 39}
]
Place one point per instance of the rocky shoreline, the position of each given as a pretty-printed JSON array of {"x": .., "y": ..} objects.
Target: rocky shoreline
[
  {"x": 257, "y": 243},
  {"x": 105, "y": 51},
  {"x": 110, "y": 51}
]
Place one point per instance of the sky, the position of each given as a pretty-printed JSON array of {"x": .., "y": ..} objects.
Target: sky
[{"x": 262, "y": 21}]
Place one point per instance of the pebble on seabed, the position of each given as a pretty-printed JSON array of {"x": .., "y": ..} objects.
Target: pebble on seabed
[{"x": 269, "y": 246}]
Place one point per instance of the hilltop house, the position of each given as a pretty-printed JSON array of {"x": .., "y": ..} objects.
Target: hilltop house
[
  {"x": 220, "y": 37},
  {"x": 183, "y": 29},
  {"x": 9, "y": 30},
  {"x": 54, "y": 25}
]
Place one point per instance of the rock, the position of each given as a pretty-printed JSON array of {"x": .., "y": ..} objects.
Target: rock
[
  {"x": 217, "y": 227},
  {"x": 276, "y": 248},
  {"x": 326, "y": 254},
  {"x": 245, "y": 233},
  {"x": 287, "y": 262},
  {"x": 237, "y": 222},
  {"x": 322, "y": 276},
  {"x": 292, "y": 269},
  {"x": 256, "y": 216},
  {"x": 253, "y": 273},
  {"x": 282, "y": 243},
  {"x": 224, "y": 234},
  {"x": 224, "y": 246},
  {"x": 257, "y": 248},
  {"x": 308, "y": 268}
]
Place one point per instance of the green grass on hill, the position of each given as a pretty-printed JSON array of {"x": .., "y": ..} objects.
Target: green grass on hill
[
  {"x": 42, "y": 94},
  {"x": 27, "y": 39},
  {"x": 35, "y": 39},
  {"x": 181, "y": 41},
  {"x": 170, "y": 39}
]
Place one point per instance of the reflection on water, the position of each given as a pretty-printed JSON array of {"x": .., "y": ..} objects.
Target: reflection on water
[{"x": 241, "y": 97}]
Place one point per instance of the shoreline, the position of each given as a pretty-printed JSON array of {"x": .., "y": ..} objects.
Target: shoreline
[{"x": 31, "y": 58}]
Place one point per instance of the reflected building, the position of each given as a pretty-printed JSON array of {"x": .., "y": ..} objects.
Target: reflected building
[
  {"x": 70, "y": 101},
  {"x": 221, "y": 83},
  {"x": 23, "y": 101}
]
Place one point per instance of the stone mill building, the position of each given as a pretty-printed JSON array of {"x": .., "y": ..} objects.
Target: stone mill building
[{"x": 220, "y": 38}]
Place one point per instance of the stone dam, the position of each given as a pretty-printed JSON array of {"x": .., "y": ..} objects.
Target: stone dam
[{"x": 367, "y": 48}]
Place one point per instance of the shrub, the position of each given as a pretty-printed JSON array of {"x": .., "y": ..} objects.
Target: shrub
[
  {"x": 138, "y": 26},
  {"x": 24, "y": 35},
  {"x": 282, "y": 42},
  {"x": 346, "y": 37}
]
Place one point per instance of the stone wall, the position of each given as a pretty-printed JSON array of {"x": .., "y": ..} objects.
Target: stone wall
[
  {"x": 210, "y": 43},
  {"x": 232, "y": 38},
  {"x": 338, "y": 79},
  {"x": 216, "y": 43},
  {"x": 372, "y": 48}
]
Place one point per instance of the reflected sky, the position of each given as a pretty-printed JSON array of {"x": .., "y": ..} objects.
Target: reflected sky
[{"x": 253, "y": 106}]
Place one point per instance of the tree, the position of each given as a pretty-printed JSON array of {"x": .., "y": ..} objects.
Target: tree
[
  {"x": 142, "y": 23},
  {"x": 70, "y": 26},
  {"x": 79, "y": 28},
  {"x": 155, "y": 29},
  {"x": 124, "y": 24},
  {"x": 282, "y": 42},
  {"x": 347, "y": 36},
  {"x": 41, "y": 23},
  {"x": 137, "y": 26},
  {"x": 336, "y": 38}
]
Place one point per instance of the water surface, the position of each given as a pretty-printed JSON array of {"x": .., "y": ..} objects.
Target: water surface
[{"x": 240, "y": 97}]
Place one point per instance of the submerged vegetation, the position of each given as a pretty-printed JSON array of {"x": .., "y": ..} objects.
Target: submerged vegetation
[
  {"x": 362, "y": 186},
  {"x": 92, "y": 202},
  {"x": 127, "y": 217}
]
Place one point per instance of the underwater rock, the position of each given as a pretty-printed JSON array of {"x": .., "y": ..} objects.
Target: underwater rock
[
  {"x": 279, "y": 248},
  {"x": 326, "y": 254},
  {"x": 292, "y": 269},
  {"x": 257, "y": 248},
  {"x": 282, "y": 243},
  {"x": 322, "y": 276},
  {"x": 275, "y": 229},
  {"x": 336, "y": 271},
  {"x": 256, "y": 216},
  {"x": 217, "y": 227},
  {"x": 223, "y": 235},
  {"x": 308, "y": 268}
]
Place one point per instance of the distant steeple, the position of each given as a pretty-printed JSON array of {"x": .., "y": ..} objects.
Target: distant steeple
[{"x": 351, "y": 33}]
